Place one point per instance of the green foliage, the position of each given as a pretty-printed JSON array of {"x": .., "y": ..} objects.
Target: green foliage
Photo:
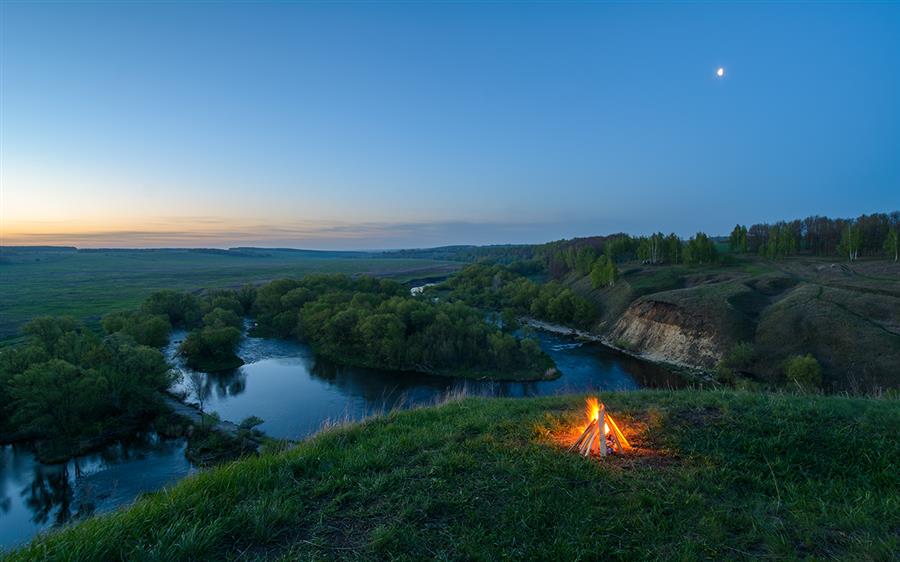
[
  {"x": 621, "y": 248},
  {"x": 604, "y": 273},
  {"x": 212, "y": 348},
  {"x": 183, "y": 310},
  {"x": 892, "y": 244},
  {"x": 375, "y": 323},
  {"x": 88, "y": 284},
  {"x": 222, "y": 318},
  {"x": 65, "y": 384},
  {"x": 739, "y": 358},
  {"x": 509, "y": 320},
  {"x": 804, "y": 371},
  {"x": 653, "y": 250},
  {"x": 737, "y": 241},
  {"x": 584, "y": 260},
  {"x": 497, "y": 288},
  {"x": 145, "y": 329},
  {"x": 700, "y": 250},
  {"x": 720, "y": 476}
]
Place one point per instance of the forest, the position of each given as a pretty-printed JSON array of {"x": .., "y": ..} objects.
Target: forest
[
  {"x": 874, "y": 235},
  {"x": 498, "y": 287},
  {"x": 67, "y": 387},
  {"x": 376, "y": 323}
]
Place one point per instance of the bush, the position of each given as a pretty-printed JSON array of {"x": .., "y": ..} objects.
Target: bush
[
  {"x": 738, "y": 359},
  {"x": 804, "y": 371}
]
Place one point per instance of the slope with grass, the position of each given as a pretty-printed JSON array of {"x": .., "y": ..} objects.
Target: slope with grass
[
  {"x": 716, "y": 475},
  {"x": 846, "y": 316}
]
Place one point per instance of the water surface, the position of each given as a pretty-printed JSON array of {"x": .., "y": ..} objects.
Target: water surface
[{"x": 295, "y": 393}]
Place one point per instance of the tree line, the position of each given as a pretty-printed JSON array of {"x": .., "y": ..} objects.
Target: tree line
[
  {"x": 867, "y": 235},
  {"x": 599, "y": 256}
]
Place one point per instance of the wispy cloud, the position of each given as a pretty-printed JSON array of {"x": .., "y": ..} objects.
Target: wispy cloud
[{"x": 219, "y": 232}]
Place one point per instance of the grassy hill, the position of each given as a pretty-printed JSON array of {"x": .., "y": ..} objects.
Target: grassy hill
[
  {"x": 716, "y": 475},
  {"x": 846, "y": 315}
]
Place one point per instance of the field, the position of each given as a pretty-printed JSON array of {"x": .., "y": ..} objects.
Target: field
[
  {"x": 88, "y": 284},
  {"x": 716, "y": 476}
]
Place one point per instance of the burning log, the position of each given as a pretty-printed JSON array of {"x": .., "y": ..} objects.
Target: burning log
[{"x": 601, "y": 434}]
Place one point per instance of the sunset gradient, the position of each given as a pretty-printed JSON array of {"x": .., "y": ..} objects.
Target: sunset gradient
[{"x": 401, "y": 125}]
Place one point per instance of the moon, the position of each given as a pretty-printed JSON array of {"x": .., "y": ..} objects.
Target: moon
[{"x": 720, "y": 72}]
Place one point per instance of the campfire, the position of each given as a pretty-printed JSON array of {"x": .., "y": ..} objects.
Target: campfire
[{"x": 601, "y": 434}]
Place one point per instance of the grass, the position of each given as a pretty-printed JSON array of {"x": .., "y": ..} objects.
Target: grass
[
  {"x": 89, "y": 284},
  {"x": 720, "y": 475},
  {"x": 846, "y": 315}
]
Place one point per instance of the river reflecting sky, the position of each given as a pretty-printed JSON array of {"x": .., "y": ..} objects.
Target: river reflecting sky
[{"x": 295, "y": 392}]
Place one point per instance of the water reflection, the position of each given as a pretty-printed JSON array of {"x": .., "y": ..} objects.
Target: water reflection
[
  {"x": 35, "y": 496},
  {"x": 296, "y": 392}
]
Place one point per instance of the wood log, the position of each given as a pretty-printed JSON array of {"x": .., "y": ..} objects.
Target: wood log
[
  {"x": 588, "y": 444},
  {"x": 619, "y": 435},
  {"x": 601, "y": 423},
  {"x": 584, "y": 434}
]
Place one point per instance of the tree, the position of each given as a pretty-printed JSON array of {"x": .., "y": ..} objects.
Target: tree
[
  {"x": 652, "y": 249},
  {"x": 737, "y": 242},
  {"x": 700, "y": 250},
  {"x": 222, "y": 318},
  {"x": 509, "y": 320},
  {"x": 892, "y": 244},
  {"x": 584, "y": 259},
  {"x": 211, "y": 348},
  {"x": 604, "y": 273},
  {"x": 196, "y": 383},
  {"x": 850, "y": 242},
  {"x": 183, "y": 310},
  {"x": 145, "y": 329},
  {"x": 55, "y": 398}
]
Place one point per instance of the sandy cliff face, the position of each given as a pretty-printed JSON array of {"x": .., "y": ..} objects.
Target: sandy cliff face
[{"x": 664, "y": 331}]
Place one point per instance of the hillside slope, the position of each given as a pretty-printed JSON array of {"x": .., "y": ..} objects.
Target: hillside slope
[
  {"x": 717, "y": 476},
  {"x": 848, "y": 317}
]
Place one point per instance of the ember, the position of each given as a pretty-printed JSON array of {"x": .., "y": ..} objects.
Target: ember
[{"x": 610, "y": 439}]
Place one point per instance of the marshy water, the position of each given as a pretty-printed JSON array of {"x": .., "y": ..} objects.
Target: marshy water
[{"x": 295, "y": 393}]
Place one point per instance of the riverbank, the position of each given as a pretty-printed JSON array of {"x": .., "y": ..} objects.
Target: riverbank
[
  {"x": 693, "y": 373},
  {"x": 493, "y": 479}
]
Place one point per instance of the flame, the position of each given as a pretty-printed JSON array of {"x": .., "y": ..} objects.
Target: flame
[{"x": 592, "y": 409}]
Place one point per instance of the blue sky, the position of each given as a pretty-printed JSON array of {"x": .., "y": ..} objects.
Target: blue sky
[{"x": 407, "y": 125}]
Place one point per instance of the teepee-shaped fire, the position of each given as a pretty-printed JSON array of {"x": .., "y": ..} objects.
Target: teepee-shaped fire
[{"x": 601, "y": 434}]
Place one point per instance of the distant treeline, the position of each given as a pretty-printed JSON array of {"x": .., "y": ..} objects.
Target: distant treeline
[
  {"x": 874, "y": 235},
  {"x": 866, "y": 235},
  {"x": 504, "y": 253}
]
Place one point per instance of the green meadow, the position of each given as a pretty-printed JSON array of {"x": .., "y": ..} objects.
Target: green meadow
[{"x": 89, "y": 284}]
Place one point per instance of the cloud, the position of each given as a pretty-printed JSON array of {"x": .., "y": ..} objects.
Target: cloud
[{"x": 219, "y": 232}]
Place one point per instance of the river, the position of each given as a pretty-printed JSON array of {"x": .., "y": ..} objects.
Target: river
[{"x": 295, "y": 393}]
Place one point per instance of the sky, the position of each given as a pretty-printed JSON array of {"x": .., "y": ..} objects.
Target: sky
[{"x": 357, "y": 126}]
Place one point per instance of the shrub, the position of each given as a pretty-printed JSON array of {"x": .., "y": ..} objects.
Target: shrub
[
  {"x": 804, "y": 371},
  {"x": 738, "y": 359}
]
